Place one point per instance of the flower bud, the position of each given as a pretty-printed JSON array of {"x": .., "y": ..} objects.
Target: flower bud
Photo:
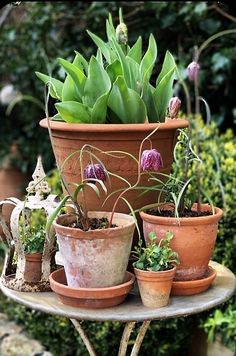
[
  {"x": 122, "y": 33},
  {"x": 151, "y": 160},
  {"x": 174, "y": 106},
  {"x": 95, "y": 171},
  {"x": 193, "y": 69}
]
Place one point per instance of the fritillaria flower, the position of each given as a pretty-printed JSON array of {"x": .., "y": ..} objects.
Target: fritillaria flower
[
  {"x": 151, "y": 160},
  {"x": 95, "y": 171},
  {"x": 174, "y": 106},
  {"x": 193, "y": 70}
]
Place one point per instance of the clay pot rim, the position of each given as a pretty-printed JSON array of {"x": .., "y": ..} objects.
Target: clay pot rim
[
  {"x": 147, "y": 127},
  {"x": 196, "y": 283},
  {"x": 197, "y": 220},
  {"x": 102, "y": 232},
  {"x": 154, "y": 273},
  {"x": 34, "y": 256},
  {"x": 91, "y": 293}
]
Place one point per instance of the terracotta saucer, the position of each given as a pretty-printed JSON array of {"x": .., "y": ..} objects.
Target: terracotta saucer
[
  {"x": 195, "y": 286},
  {"x": 90, "y": 297}
]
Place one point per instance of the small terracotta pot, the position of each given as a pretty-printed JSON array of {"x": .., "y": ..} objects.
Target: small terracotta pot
[
  {"x": 95, "y": 258},
  {"x": 155, "y": 287},
  {"x": 33, "y": 267},
  {"x": 194, "y": 240},
  {"x": 69, "y": 138}
]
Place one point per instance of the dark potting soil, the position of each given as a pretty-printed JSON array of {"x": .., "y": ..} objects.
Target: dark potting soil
[
  {"x": 94, "y": 224},
  {"x": 186, "y": 214}
]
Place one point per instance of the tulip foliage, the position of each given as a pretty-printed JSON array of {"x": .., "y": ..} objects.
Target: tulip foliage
[{"x": 113, "y": 86}]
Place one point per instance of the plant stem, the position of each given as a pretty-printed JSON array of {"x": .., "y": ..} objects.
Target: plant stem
[
  {"x": 78, "y": 208},
  {"x": 198, "y": 170},
  {"x": 138, "y": 178}
]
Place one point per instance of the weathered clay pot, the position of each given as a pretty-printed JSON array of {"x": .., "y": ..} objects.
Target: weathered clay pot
[
  {"x": 95, "y": 258},
  {"x": 194, "y": 240},
  {"x": 155, "y": 287},
  {"x": 94, "y": 298},
  {"x": 68, "y": 138},
  {"x": 33, "y": 267}
]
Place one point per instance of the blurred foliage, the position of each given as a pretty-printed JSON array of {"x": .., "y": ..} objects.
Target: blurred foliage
[{"x": 35, "y": 34}]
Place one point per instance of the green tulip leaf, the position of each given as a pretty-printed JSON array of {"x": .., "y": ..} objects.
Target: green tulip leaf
[
  {"x": 98, "y": 82},
  {"x": 69, "y": 92},
  {"x": 123, "y": 61},
  {"x": 126, "y": 103},
  {"x": 102, "y": 45},
  {"x": 168, "y": 64},
  {"x": 72, "y": 111},
  {"x": 81, "y": 62},
  {"x": 114, "y": 70},
  {"x": 99, "y": 111},
  {"x": 163, "y": 93},
  {"x": 136, "y": 51},
  {"x": 147, "y": 96},
  {"x": 134, "y": 75},
  {"x": 57, "y": 117},
  {"x": 76, "y": 74},
  {"x": 55, "y": 85},
  {"x": 149, "y": 59}
]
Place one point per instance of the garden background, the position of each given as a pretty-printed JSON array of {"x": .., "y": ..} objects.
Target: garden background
[{"x": 33, "y": 35}]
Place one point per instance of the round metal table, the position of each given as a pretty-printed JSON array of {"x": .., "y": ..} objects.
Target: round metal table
[{"x": 132, "y": 309}]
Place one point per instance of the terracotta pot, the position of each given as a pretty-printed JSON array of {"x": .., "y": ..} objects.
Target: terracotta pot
[
  {"x": 33, "y": 267},
  {"x": 194, "y": 240},
  {"x": 90, "y": 297},
  {"x": 155, "y": 287},
  {"x": 68, "y": 137},
  {"x": 95, "y": 258}
]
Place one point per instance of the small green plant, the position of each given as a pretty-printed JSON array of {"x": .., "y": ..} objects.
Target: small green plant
[
  {"x": 114, "y": 85},
  {"x": 33, "y": 232},
  {"x": 156, "y": 257}
]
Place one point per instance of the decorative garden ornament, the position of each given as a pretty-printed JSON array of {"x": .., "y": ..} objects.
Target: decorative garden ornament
[{"x": 13, "y": 275}]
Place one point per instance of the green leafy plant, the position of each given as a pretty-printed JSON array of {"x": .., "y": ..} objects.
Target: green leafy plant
[
  {"x": 33, "y": 232},
  {"x": 155, "y": 257},
  {"x": 113, "y": 86}
]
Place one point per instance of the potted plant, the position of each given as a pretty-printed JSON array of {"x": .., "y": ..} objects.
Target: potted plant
[
  {"x": 94, "y": 246},
  {"x": 180, "y": 209},
  {"x": 33, "y": 239},
  {"x": 108, "y": 101},
  {"x": 155, "y": 269}
]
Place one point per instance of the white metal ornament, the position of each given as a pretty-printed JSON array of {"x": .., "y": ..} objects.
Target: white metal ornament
[{"x": 13, "y": 275}]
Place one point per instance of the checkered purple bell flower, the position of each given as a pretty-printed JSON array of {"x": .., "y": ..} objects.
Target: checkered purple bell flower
[
  {"x": 151, "y": 160},
  {"x": 95, "y": 171}
]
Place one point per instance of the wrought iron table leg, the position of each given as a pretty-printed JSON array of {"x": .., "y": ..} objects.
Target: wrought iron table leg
[
  {"x": 84, "y": 337},
  {"x": 140, "y": 337},
  {"x": 125, "y": 338}
]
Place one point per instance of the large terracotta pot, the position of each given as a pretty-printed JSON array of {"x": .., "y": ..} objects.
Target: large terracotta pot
[
  {"x": 155, "y": 287},
  {"x": 95, "y": 258},
  {"x": 194, "y": 240},
  {"x": 68, "y": 137}
]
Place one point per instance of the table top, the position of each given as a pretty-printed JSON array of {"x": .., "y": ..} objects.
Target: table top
[{"x": 132, "y": 308}]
